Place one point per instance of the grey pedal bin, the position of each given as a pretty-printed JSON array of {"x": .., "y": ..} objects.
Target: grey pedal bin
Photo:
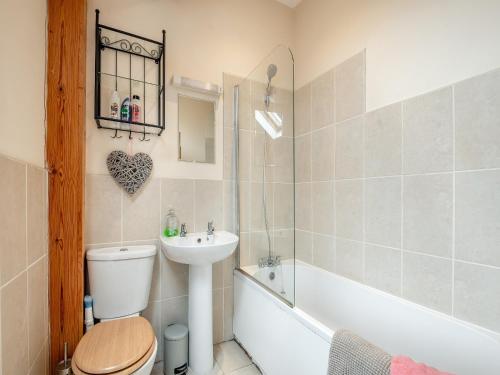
[{"x": 175, "y": 350}]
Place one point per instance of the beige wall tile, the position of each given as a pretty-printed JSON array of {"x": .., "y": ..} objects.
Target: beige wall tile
[
  {"x": 246, "y": 207},
  {"x": 244, "y": 249},
  {"x": 227, "y": 167},
  {"x": 228, "y": 266},
  {"x": 283, "y": 243},
  {"x": 477, "y": 222},
  {"x": 13, "y": 212},
  {"x": 477, "y": 122},
  {"x": 103, "y": 209},
  {"x": 229, "y": 81},
  {"x": 349, "y": 259},
  {"x": 245, "y": 155},
  {"x": 349, "y": 149},
  {"x": 14, "y": 316},
  {"x": 323, "y": 154},
  {"x": 383, "y": 268},
  {"x": 257, "y": 211},
  {"x": 349, "y": 209},
  {"x": 303, "y": 158},
  {"x": 383, "y": 129},
  {"x": 218, "y": 315},
  {"x": 427, "y": 214},
  {"x": 350, "y": 87},
  {"x": 322, "y": 103},
  {"x": 217, "y": 275},
  {"x": 383, "y": 211},
  {"x": 174, "y": 310},
  {"x": 37, "y": 308},
  {"x": 179, "y": 195},
  {"x": 283, "y": 206},
  {"x": 228, "y": 314},
  {"x": 281, "y": 156},
  {"x": 141, "y": 212},
  {"x": 259, "y": 246},
  {"x": 303, "y": 110},
  {"x": 324, "y": 252},
  {"x": 428, "y": 133},
  {"x": 37, "y": 213},
  {"x": 427, "y": 280},
  {"x": 229, "y": 203},
  {"x": 323, "y": 211},
  {"x": 476, "y": 294},
  {"x": 39, "y": 367},
  {"x": 303, "y": 246},
  {"x": 174, "y": 278},
  {"x": 153, "y": 314},
  {"x": 303, "y": 209},
  {"x": 208, "y": 204}
]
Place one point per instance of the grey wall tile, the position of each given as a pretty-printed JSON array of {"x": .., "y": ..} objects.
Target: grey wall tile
[
  {"x": 303, "y": 110},
  {"x": 322, "y": 207},
  {"x": 349, "y": 259},
  {"x": 477, "y": 223},
  {"x": 179, "y": 195},
  {"x": 14, "y": 323},
  {"x": 350, "y": 87},
  {"x": 208, "y": 203},
  {"x": 303, "y": 246},
  {"x": 324, "y": 252},
  {"x": 13, "y": 213},
  {"x": 303, "y": 206},
  {"x": 383, "y": 211},
  {"x": 477, "y": 291},
  {"x": 141, "y": 212},
  {"x": 383, "y": 268},
  {"x": 349, "y": 209},
  {"x": 477, "y": 122},
  {"x": 303, "y": 158},
  {"x": 322, "y": 104},
  {"x": 427, "y": 280},
  {"x": 428, "y": 133},
  {"x": 383, "y": 129},
  {"x": 349, "y": 149},
  {"x": 103, "y": 209},
  {"x": 427, "y": 213},
  {"x": 323, "y": 154},
  {"x": 37, "y": 213}
]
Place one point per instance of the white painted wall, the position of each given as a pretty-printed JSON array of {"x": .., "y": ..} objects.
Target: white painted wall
[
  {"x": 22, "y": 79},
  {"x": 412, "y": 47},
  {"x": 204, "y": 39}
]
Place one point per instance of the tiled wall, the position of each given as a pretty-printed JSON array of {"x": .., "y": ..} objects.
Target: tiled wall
[
  {"x": 405, "y": 198},
  {"x": 23, "y": 269},
  {"x": 114, "y": 218},
  {"x": 279, "y": 171}
]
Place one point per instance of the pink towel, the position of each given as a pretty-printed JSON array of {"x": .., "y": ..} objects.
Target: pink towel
[{"x": 401, "y": 365}]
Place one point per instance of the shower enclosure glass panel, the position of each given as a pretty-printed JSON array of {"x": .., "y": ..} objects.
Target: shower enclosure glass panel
[{"x": 265, "y": 177}]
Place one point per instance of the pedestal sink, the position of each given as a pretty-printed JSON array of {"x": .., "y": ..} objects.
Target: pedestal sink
[{"x": 200, "y": 251}]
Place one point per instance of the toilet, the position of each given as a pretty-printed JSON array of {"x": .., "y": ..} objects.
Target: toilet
[{"x": 123, "y": 342}]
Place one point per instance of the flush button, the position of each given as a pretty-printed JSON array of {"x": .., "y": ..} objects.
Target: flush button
[
  {"x": 198, "y": 240},
  {"x": 123, "y": 249}
]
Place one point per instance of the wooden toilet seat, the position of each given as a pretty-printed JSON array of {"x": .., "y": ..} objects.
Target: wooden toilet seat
[{"x": 117, "y": 347}]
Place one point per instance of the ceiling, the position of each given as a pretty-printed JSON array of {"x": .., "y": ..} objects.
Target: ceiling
[{"x": 290, "y": 3}]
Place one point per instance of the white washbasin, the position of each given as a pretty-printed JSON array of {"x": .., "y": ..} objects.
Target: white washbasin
[{"x": 198, "y": 248}]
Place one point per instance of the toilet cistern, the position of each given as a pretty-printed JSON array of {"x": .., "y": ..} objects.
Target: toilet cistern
[{"x": 200, "y": 250}]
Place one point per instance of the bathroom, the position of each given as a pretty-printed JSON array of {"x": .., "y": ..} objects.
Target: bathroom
[{"x": 340, "y": 186}]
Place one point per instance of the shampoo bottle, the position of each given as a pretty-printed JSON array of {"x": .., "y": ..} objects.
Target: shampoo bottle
[
  {"x": 114, "y": 110},
  {"x": 125, "y": 109}
]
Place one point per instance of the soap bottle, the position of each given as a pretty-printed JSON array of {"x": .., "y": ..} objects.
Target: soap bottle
[
  {"x": 172, "y": 224},
  {"x": 114, "y": 110},
  {"x": 136, "y": 108},
  {"x": 125, "y": 109}
]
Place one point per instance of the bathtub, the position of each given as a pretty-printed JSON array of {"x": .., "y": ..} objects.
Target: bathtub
[{"x": 295, "y": 341}]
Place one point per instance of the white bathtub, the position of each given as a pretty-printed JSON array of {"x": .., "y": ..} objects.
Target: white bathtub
[{"x": 295, "y": 341}]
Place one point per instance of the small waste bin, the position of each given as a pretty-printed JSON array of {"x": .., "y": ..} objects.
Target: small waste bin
[{"x": 175, "y": 350}]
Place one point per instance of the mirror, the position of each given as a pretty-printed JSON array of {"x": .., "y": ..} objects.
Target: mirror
[{"x": 196, "y": 130}]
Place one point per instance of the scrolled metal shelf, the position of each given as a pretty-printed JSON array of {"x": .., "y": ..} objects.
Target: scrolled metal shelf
[{"x": 128, "y": 46}]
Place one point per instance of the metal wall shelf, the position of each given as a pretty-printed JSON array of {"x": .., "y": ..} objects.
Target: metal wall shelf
[{"x": 110, "y": 40}]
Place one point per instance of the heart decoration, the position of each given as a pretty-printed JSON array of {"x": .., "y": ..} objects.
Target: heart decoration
[{"x": 129, "y": 171}]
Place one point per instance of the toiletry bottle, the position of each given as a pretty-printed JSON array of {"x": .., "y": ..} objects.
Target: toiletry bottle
[
  {"x": 136, "y": 108},
  {"x": 172, "y": 224},
  {"x": 89, "y": 315},
  {"x": 125, "y": 109},
  {"x": 114, "y": 110}
]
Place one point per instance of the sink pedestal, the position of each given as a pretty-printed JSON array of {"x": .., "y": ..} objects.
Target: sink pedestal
[{"x": 201, "y": 356}]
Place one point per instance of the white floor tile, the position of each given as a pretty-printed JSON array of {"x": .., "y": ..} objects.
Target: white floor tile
[
  {"x": 231, "y": 357},
  {"x": 249, "y": 370}
]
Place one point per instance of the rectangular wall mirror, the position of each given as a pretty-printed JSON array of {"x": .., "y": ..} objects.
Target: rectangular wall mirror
[{"x": 196, "y": 129}]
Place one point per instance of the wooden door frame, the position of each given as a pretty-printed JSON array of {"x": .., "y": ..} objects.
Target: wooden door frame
[{"x": 65, "y": 155}]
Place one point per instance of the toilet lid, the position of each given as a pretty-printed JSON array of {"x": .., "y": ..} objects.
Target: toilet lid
[{"x": 115, "y": 345}]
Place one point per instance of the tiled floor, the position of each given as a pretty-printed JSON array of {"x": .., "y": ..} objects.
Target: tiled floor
[{"x": 230, "y": 359}]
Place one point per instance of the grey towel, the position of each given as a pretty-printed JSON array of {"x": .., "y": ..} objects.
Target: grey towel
[{"x": 352, "y": 355}]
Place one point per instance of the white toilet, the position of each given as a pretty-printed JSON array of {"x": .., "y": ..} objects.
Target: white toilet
[{"x": 123, "y": 342}]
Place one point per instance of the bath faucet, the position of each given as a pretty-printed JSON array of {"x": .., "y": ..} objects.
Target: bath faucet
[
  {"x": 183, "y": 230},
  {"x": 211, "y": 228}
]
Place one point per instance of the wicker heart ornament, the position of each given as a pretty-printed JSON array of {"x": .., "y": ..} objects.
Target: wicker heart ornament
[{"x": 129, "y": 171}]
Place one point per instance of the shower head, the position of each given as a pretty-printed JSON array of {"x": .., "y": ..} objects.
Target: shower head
[{"x": 271, "y": 72}]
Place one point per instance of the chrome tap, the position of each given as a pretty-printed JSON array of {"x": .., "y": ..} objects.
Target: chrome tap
[
  {"x": 210, "y": 229},
  {"x": 183, "y": 230}
]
